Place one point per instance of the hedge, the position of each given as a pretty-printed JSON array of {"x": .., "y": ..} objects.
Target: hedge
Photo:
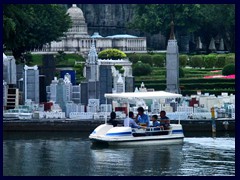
[
  {"x": 210, "y": 60},
  {"x": 221, "y": 61},
  {"x": 230, "y": 59},
  {"x": 183, "y": 60},
  {"x": 147, "y": 59},
  {"x": 140, "y": 69},
  {"x": 134, "y": 58},
  {"x": 158, "y": 60},
  {"x": 196, "y": 61},
  {"x": 112, "y": 54},
  {"x": 202, "y": 80},
  {"x": 209, "y": 85},
  {"x": 228, "y": 69}
]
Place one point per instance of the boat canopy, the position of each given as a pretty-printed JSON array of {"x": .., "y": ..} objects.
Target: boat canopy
[{"x": 143, "y": 95}]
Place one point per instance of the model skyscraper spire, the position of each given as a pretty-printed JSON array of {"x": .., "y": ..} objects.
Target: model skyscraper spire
[
  {"x": 172, "y": 35},
  {"x": 172, "y": 63},
  {"x": 92, "y": 55}
]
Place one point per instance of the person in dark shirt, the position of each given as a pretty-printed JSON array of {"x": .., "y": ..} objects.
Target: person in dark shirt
[
  {"x": 164, "y": 120},
  {"x": 112, "y": 120}
]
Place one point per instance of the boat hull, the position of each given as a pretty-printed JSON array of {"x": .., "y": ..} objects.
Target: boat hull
[
  {"x": 106, "y": 134},
  {"x": 142, "y": 141}
]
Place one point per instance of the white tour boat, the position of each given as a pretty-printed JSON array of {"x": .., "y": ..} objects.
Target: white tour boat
[{"x": 106, "y": 133}]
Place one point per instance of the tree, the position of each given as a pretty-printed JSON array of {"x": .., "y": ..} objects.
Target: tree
[
  {"x": 153, "y": 18},
  {"x": 204, "y": 20},
  {"x": 30, "y": 26},
  {"x": 218, "y": 20}
]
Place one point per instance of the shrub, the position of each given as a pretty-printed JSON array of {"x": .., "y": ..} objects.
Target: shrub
[
  {"x": 228, "y": 69},
  {"x": 112, "y": 54},
  {"x": 181, "y": 73},
  {"x": 196, "y": 61},
  {"x": 28, "y": 58},
  {"x": 183, "y": 59},
  {"x": 146, "y": 58},
  {"x": 210, "y": 60},
  {"x": 158, "y": 60},
  {"x": 134, "y": 58},
  {"x": 119, "y": 68},
  {"x": 230, "y": 59},
  {"x": 79, "y": 69},
  {"x": 220, "y": 62},
  {"x": 141, "y": 69}
]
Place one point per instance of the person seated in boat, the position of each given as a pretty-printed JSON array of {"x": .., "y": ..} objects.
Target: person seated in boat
[
  {"x": 155, "y": 122},
  {"x": 129, "y": 121},
  {"x": 142, "y": 118},
  {"x": 112, "y": 120},
  {"x": 164, "y": 120}
]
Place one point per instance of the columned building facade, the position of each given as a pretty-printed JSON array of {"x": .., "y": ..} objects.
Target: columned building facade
[{"x": 77, "y": 39}]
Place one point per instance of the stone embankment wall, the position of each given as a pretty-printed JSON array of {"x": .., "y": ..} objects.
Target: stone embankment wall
[{"x": 90, "y": 125}]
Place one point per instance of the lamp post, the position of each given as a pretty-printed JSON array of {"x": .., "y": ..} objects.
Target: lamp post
[{"x": 213, "y": 120}]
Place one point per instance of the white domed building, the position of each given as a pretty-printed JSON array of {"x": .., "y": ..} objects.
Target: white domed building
[{"x": 77, "y": 38}]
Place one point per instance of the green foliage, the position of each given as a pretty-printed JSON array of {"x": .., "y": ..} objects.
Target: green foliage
[
  {"x": 230, "y": 59},
  {"x": 134, "y": 58},
  {"x": 79, "y": 69},
  {"x": 112, "y": 54},
  {"x": 141, "y": 69},
  {"x": 210, "y": 60},
  {"x": 152, "y": 18},
  {"x": 36, "y": 59},
  {"x": 212, "y": 23},
  {"x": 60, "y": 57},
  {"x": 189, "y": 85},
  {"x": 206, "y": 20},
  {"x": 183, "y": 59},
  {"x": 146, "y": 58},
  {"x": 221, "y": 60},
  {"x": 30, "y": 26},
  {"x": 196, "y": 61},
  {"x": 222, "y": 85},
  {"x": 202, "y": 80},
  {"x": 158, "y": 60},
  {"x": 75, "y": 57},
  {"x": 181, "y": 73},
  {"x": 119, "y": 68},
  {"x": 228, "y": 69},
  {"x": 67, "y": 60},
  {"x": 28, "y": 58}
]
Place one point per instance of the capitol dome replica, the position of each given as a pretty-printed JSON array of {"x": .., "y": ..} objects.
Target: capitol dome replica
[
  {"x": 77, "y": 39},
  {"x": 79, "y": 26}
]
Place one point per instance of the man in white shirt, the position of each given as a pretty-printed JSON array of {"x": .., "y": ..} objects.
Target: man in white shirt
[{"x": 129, "y": 121}]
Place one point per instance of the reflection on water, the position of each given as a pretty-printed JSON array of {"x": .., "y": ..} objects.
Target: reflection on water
[
  {"x": 72, "y": 154},
  {"x": 138, "y": 160}
]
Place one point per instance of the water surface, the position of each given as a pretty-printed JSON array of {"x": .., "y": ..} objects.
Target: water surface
[{"x": 72, "y": 154}]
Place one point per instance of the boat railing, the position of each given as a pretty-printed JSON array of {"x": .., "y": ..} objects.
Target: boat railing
[{"x": 150, "y": 131}]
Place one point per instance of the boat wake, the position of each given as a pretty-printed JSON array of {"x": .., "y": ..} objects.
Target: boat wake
[{"x": 229, "y": 143}]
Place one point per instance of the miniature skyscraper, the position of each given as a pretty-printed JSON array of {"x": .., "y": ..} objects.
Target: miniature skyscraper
[
  {"x": 92, "y": 73},
  {"x": 31, "y": 83},
  {"x": 172, "y": 63}
]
